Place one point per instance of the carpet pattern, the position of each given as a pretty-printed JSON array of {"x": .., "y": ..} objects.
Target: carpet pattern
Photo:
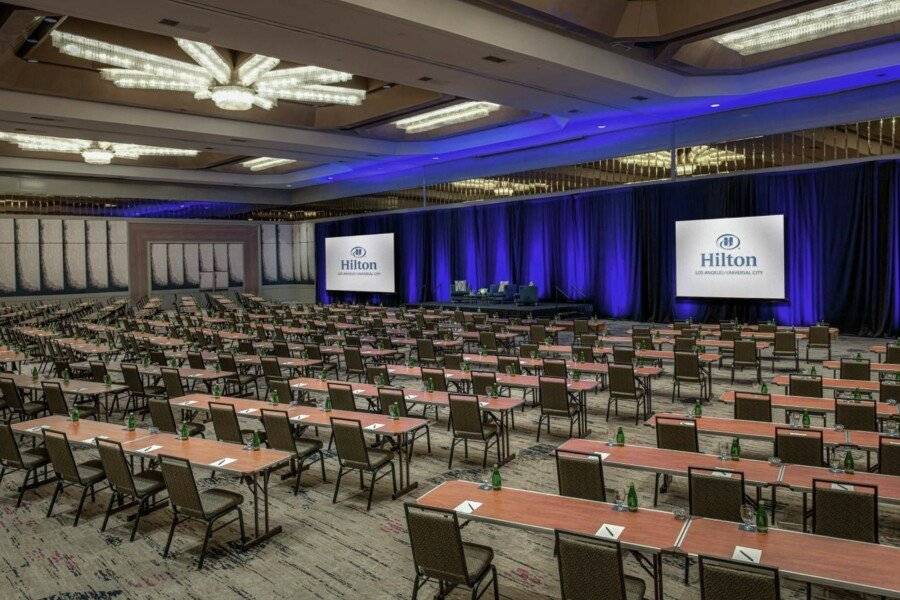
[{"x": 339, "y": 550}]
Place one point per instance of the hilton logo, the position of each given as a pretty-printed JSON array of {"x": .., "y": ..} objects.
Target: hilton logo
[
  {"x": 354, "y": 264},
  {"x": 357, "y": 252},
  {"x": 729, "y": 242}
]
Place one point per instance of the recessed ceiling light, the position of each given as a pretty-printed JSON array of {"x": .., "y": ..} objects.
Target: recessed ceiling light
[
  {"x": 824, "y": 21},
  {"x": 715, "y": 105},
  {"x": 601, "y": 126},
  {"x": 435, "y": 158},
  {"x": 96, "y": 153},
  {"x": 212, "y": 75},
  {"x": 449, "y": 115}
]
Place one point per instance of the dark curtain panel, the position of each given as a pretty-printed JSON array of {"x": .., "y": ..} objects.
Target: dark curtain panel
[{"x": 616, "y": 248}]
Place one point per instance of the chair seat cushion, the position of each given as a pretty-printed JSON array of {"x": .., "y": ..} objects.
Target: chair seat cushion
[
  {"x": 195, "y": 428},
  {"x": 35, "y": 457},
  {"x": 379, "y": 458},
  {"x": 30, "y": 408},
  {"x": 306, "y": 446},
  {"x": 478, "y": 559},
  {"x": 217, "y": 501},
  {"x": 149, "y": 482},
  {"x": 634, "y": 588},
  {"x": 488, "y": 428},
  {"x": 91, "y": 471}
]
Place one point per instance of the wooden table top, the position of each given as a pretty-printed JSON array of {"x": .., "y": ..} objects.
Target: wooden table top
[
  {"x": 803, "y": 556},
  {"x": 80, "y": 387},
  {"x": 707, "y": 357},
  {"x": 875, "y": 366},
  {"x": 82, "y": 431},
  {"x": 203, "y": 452},
  {"x": 761, "y": 430},
  {"x": 799, "y": 478},
  {"x": 646, "y": 529},
  {"x": 812, "y": 404},
  {"x": 154, "y": 370},
  {"x": 503, "y": 379},
  {"x": 836, "y": 384}
]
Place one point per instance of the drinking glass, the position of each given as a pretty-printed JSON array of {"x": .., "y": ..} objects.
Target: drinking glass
[
  {"x": 724, "y": 451},
  {"x": 619, "y": 501},
  {"x": 748, "y": 516},
  {"x": 835, "y": 463},
  {"x": 795, "y": 420}
]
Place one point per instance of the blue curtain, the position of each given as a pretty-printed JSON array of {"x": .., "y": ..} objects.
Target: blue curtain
[{"x": 616, "y": 248}]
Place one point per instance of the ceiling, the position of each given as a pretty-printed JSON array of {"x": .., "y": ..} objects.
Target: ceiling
[{"x": 583, "y": 76}]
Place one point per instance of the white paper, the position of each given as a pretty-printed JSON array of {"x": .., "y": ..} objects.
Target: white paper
[
  {"x": 298, "y": 385},
  {"x": 247, "y": 411},
  {"x": 149, "y": 449},
  {"x": 483, "y": 403},
  {"x": 37, "y": 429},
  {"x": 374, "y": 426},
  {"x": 745, "y": 554},
  {"x": 91, "y": 440},
  {"x": 610, "y": 532},
  {"x": 602, "y": 455},
  {"x": 188, "y": 402},
  {"x": 722, "y": 474},
  {"x": 359, "y": 391},
  {"x": 410, "y": 396},
  {"x": 222, "y": 462},
  {"x": 299, "y": 417},
  {"x": 467, "y": 507},
  {"x": 842, "y": 486}
]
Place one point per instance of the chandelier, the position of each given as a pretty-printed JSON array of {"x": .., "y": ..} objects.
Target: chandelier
[
  {"x": 211, "y": 76},
  {"x": 499, "y": 187},
  {"x": 686, "y": 162},
  {"x": 450, "y": 115},
  {"x": 95, "y": 153}
]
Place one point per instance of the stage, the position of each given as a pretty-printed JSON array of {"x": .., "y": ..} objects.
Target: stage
[{"x": 540, "y": 309}]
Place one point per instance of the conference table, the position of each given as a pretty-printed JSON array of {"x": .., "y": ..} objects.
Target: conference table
[
  {"x": 499, "y": 405},
  {"x": 205, "y": 376},
  {"x": 250, "y": 465},
  {"x": 876, "y": 367},
  {"x": 843, "y": 385},
  {"x": 97, "y": 392},
  {"x": 811, "y": 404}
]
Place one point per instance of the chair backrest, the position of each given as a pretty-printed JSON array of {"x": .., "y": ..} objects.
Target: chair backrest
[
  {"x": 10, "y": 393},
  {"x": 685, "y": 344},
  {"x": 745, "y": 352},
  {"x": 753, "y": 407},
  {"x": 487, "y": 340},
  {"x": 722, "y": 579},
  {"x": 528, "y": 350},
  {"x": 172, "y": 380},
  {"x": 587, "y": 339},
  {"x": 56, "y": 400},
  {"x": 378, "y": 375},
  {"x": 554, "y": 367},
  {"x": 98, "y": 371},
  {"x": 116, "y": 466},
  {"x": 509, "y": 365},
  {"x": 353, "y": 360},
  {"x": 785, "y": 341},
  {"x": 583, "y": 353},
  {"x": 674, "y": 433},
  {"x": 181, "y": 485},
  {"x": 554, "y": 394},
  {"x": 805, "y": 385},
  {"x": 278, "y": 430},
  {"x": 799, "y": 447},
  {"x": 482, "y": 381},
  {"x": 453, "y": 361},
  {"x": 888, "y": 455},
  {"x": 280, "y": 348},
  {"x": 465, "y": 414},
  {"x": 860, "y": 415},
  {"x": 270, "y": 366},
  {"x": 621, "y": 381},
  {"x": 731, "y": 335},
  {"x": 57, "y": 444},
  {"x": 623, "y": 355},
  {"x": 687, "y": 365},
  {"x": 282, "y": 387},
  {"x": 715, "y": 493},
  {"x": 132, "y": 376},
  {"x": 589, "y": 567},
  {"x": 820, "y": 335},
  {"x": 437, "y": 378},
  {"x": 158, "y": 358},
  {"x": 537, "y": 334},
  {"x": 856, "y": 368},
  {"x": 580, "y": 476},
  {"x": 640, "y": 342},
  {"x": 195, "y": 360},
  {"x": 581, "y": 326},
  {"x": 845, "y": 511},
  {"x": 892, "y": 354},
  {"x": 437, "y": 548},
  {"x": 425, "y": 349},
  {"x": 161, "y": 415},
  {"x": 889, "y": 390},
  {"x": 313, "y": 351},
  {"x": 349, "y": 442},
  {"x": 341, "y": 396},
  {"x": 225, "y": 423},
  {"x": 9, "y": 449},
  {"x": 387, "y": 396}
]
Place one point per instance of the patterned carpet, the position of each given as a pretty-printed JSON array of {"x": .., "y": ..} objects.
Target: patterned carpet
[{"x": 338, "y": 550}]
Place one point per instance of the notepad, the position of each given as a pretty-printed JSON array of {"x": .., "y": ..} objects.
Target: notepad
[
  {"x": 222, "y": 462},
  {"x": 392, "y": 370},
  {"x": 742, "y": 553},
  {"x": 298, "y": 385},
  {"x": 149, "y": 449},
  {"x": 722, "y": 474},
  {"x": 37, "y": 429},
  {"x": 90, "y": 440},
  {"x": 247, "y": 411},
  {"x": 359, "y": 391},
  {"x": 410, "y": 396},
  {"x": 299, "y": 417},
  {"x": 842, "y": 486},
  {"x": 610, "y": 532},
  {"x": 374, "y": 426},
  {"x": 188, "y": 402},
  {"x": 467, "y": 507},
  {"x": 602, "y": 455},
  {"x": 483, "y": 403}
]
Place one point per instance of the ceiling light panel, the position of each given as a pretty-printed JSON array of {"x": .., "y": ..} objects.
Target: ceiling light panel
[
  {"x": 840, "y": 17},
  {"x": 254, "y": 83},
  {"x": 266, "y": 162},
  {"x": 443, "y": 117}
]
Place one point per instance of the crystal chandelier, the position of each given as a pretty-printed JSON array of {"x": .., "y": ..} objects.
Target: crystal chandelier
[
  {"x": 266, "y": 162},
  {"x": 95, "y": 153},
  {"x": 450, "y": 115},
  {"x": 840, "y": 17},
  {"x": 687, "y": 162},
  {"x": 499, "y": 187},
  {"x": 253, "y": 82}
]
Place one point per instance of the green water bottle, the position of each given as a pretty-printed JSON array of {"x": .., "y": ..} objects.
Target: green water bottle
[
  {"x": 217, "y": 367},
  {"x": 34, "y": 372},
  {"x": 576, "y": 376},
  {"x": 217, "y": 390},
  {"x": 510, "y": 370},
  {"x": 429, "y": 385},
  {"x": 735, "y": 449},
  {"x": 107, "y": 380},
  {"x": 184, "y": 430},
  {"x": 632, "y": 499},
  {"x": 274, "y": 396},
  {"x": 75, "y": 414},
  {"x": 496, "y": 480},
  {"x": 382, "y": 380},
  {"x": 131, "y": 422},
  {"x": 66, "y": 377},
  {"x": 764, "y": 389},
  {"x": 466, "y": 366},
  {"x": 698, "y": 409},
  {"x": 806, "y": 420},
  {"x": 849, "y": 465},
  {"x": 856, "y": 396},
  {"x": 254, "y": 442},
  {"x": 858, "y": 356},
  {"x": 620, "y": 437},
  {"x": 812, "y": 371},
  {"x": 395, "y": 411},
  {"x": 146, "y": 361},
  {"x": 762, "y": 519},
  {"x": 327, "y": 404},
  {"x": 494, "y": 390}
]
